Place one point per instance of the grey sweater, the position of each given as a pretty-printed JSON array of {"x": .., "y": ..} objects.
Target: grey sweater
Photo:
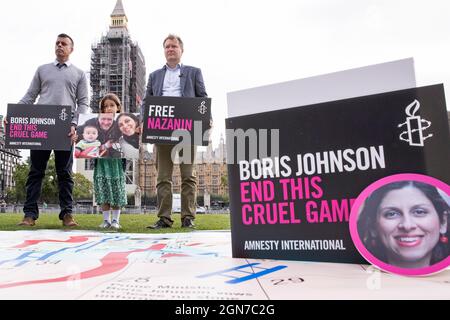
[{"x": 65, "y": 86}]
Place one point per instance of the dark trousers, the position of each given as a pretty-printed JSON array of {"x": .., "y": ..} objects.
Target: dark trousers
[{"x": 63, "y": 164}]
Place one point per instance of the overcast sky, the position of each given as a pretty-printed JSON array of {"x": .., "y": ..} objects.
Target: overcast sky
[{"x": 238, "y": 44}]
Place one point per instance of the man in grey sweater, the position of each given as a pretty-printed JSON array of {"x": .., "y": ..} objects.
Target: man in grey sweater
[{"x": 57, "y": 83}]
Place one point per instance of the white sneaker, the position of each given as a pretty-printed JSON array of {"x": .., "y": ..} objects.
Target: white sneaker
[
  {"x": 115, "y": 225},
  {"x": 105, "y": 225}
]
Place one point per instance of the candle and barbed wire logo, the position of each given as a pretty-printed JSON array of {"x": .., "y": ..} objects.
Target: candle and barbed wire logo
[
  {"x": 63, "y": 115},
  {"x": 415, "y": 126},
  {"x": 203, "y": 108}
]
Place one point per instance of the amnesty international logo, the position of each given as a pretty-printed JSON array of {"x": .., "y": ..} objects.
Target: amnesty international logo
[
  {"x": 202, "y": 108},
  {"x": 415, "y": 126},
  {"x": 63, "y": 115}
]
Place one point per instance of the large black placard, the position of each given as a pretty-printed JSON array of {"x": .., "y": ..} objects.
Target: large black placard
[
  {"x": 164, "y": 115},
  {"x": 296, "y": 205},
  {"x": 38, "y": 127}
]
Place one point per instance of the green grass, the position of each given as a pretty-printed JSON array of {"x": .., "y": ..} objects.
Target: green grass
[{"x": 131, "y": 223}]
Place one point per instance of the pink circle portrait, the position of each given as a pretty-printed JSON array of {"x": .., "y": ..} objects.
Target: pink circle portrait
[{"x": 401, "y": 224}]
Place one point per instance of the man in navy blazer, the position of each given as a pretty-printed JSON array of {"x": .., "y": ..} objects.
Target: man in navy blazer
[{"x": 176, "y": 80}]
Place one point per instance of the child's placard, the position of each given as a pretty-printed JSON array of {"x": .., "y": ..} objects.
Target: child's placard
[{"x": 108, "y": 135}]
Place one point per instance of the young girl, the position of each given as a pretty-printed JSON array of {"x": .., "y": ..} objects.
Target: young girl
[{"x": 109, "y": 177}]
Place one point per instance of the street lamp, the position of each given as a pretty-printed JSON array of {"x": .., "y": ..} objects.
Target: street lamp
[
  {"x": 3, "y": 169},
  {"x": 146, "y": 158},
  {"x": 145, "y": 181},
  {"x": 2, "y": 184}
]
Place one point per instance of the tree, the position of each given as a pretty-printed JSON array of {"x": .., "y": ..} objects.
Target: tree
[
  {"x": 18, "y": 193},
  {"x": 83, "y": 187},
  {"x": 224, "y": 181},
  {"x": 50, "y": 184}
]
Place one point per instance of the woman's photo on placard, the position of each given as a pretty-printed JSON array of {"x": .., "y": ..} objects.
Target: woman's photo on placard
[{"x": 404, "y": 225}]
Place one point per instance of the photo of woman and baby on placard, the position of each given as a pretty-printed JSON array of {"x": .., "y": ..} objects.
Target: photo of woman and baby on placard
[{"x": 108, "y": 135}]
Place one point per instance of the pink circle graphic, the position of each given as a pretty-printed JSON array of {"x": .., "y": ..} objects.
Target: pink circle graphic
[{"x": 355, "y": 212}]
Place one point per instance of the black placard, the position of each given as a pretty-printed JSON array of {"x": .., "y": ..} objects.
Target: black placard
[
  {"x": 38, "y": 127},
  {"x": 164, "y": 115},
  {"x": 343, "y": 146}
]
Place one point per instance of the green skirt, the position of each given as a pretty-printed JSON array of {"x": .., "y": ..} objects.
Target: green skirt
[{"x": 109, "y": 182}]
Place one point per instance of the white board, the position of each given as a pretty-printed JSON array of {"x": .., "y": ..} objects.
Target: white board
[{"x": 378, "y": 78}]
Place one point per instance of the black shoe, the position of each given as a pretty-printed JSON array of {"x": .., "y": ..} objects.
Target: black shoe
[
  {"x": 188, "y": 223},
  {"x": 160, "y": 224}
]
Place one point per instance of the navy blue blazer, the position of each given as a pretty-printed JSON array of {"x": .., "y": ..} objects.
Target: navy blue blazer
[{"x": 191, "y": 83}]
